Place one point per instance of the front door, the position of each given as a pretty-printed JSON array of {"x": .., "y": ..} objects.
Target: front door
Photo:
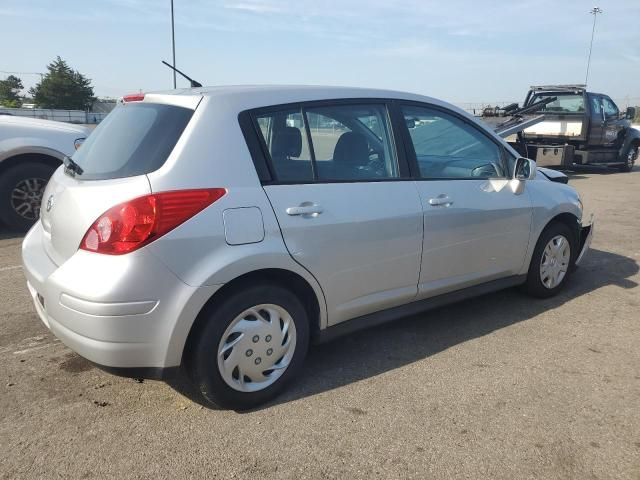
[
  {"x": 613, "y": 124},
  {"x": 476, "y": 227},
  {"x": 345, "y": 212}
]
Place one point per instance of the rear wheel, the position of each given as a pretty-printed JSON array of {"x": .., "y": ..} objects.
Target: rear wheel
[
  {"x": 21, "y": 189},
  {"x": 551, "y": 261},
  {"x": 630, "y": 158},
  {"x": 252, "y": 344}
]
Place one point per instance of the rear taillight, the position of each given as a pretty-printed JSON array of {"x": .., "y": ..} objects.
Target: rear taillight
[{"x": 133, "y": 224}]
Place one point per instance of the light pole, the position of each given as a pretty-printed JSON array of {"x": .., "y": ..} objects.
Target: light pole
[
  {"x": 173, "y": 45},
  {"x": 594, "y": 11}
]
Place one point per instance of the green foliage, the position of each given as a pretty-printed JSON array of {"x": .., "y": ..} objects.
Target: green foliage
[
  {"x": 63, "y": 88},
  {"x": 637, "y": 119},
  {"x": 10, "y": 87}
]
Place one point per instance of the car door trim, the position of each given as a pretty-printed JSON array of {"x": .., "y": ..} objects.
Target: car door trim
[{"x": 384, "y": 316}]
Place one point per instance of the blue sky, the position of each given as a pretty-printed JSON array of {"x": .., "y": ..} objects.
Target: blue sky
[{"x": 457, "y": 50}]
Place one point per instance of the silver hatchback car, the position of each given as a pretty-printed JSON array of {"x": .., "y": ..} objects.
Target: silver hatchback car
[{"x": 222, "y": 229}]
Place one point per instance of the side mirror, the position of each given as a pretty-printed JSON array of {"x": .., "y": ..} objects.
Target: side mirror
[
  {"x": 525, "y": 169},
  {"x": 631, "y": 113},
  {"x": 411, "y": 123}
]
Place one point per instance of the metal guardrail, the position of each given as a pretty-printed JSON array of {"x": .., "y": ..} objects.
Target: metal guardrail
[{"x": 69, "y": 116}]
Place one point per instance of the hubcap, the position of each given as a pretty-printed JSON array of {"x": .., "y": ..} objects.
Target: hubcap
[
  {"x": 631, "y": 157},
  {"x": 26, "y": 197},
  {"x": 555, "y": 261},
  {"x": 256, "y": 348}
]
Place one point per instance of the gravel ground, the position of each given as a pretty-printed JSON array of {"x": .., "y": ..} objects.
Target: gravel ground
[{"x": 502, "y": 386}]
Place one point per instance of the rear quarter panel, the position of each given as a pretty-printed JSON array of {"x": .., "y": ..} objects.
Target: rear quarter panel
[{"x": 212, "y": 153}]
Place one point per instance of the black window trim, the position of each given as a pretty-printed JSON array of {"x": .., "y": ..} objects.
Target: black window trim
[
  {"x": 262, "y": 159},
  {"x": 410, "y": 149}
]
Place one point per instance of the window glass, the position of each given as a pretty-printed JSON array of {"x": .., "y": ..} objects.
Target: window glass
[
  {"x": 564, "y": 103},
  {"x": 134, "y": 139},
  {"x": 596, "y": 106},
  {"x": 447, "y": 147},
  {"x": 285, "y": 136},
  {"x": 610, "y": 109},
  {"x": 352, "y": 142}
]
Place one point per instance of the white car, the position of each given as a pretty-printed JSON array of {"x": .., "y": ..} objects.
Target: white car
[{"x": 30, "y": 151}]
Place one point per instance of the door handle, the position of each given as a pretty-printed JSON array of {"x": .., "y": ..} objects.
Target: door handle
[
  {"x": 305, "y": 210},
  {"x": 441, "y": 201}
]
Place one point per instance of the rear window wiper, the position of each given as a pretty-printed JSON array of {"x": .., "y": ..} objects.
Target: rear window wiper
[{"x": 71, "y": 168}]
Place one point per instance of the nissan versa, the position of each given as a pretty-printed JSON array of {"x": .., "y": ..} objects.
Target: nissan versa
[{"x": 221, "y": 229}]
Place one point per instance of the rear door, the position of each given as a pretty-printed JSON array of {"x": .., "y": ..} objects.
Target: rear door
[
  {"x": 476, "y": 228},
  {"x": 347, "y": 208}
]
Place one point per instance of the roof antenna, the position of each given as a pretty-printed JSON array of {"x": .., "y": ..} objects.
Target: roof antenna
[{"x": 194, "y": 84}]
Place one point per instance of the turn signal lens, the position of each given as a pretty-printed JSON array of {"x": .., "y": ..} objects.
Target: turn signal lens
[{"x": 138, "y": 222}]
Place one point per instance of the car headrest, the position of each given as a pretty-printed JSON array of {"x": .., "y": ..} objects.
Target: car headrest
[
  {"x": 287, "y": 142},
  {"x": 353, "y": 148}
]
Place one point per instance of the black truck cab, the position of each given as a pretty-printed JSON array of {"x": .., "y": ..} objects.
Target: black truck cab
[{"x": 579, "y": 127}]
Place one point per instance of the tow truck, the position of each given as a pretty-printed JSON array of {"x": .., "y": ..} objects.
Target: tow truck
[{"x": 566, "y": 125}]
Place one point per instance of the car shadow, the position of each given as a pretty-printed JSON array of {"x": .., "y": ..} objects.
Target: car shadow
[
  {"x": 371, "y": 352},
  {"x": 578, "y": 171},
  {"x": 6, "y": 234}
]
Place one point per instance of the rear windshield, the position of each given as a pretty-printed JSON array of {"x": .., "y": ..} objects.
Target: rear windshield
[
  {"x": 564, "y": 102},
  {"x": 134, "y": 139}
]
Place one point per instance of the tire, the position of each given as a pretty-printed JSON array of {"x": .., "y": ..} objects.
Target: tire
[
  {"x": 21, "y": 189},
  {"x": 216, "y": 349},
  {"x": 630, "y": 158},
  {"x": 542, "y": 282}
]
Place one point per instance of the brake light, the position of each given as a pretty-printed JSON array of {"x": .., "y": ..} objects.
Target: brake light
[
  {"x": 133, "y": 97},
  {"x": 138, "y": 222}
]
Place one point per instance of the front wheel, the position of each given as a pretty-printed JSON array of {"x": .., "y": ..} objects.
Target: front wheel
[
  {"x": 252, "y": 344},
  {"x": 630, "y": 158},
  {"x": 551, "y": 261}
]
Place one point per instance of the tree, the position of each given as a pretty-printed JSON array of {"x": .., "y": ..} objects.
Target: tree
[
  {"x": 64, "y": 88},
  {"x": 10, "y": 87}
]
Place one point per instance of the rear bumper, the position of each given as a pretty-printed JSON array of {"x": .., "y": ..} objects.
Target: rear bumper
[
  {"x": 586, "y": 234},
  {"x": 126, "y": 311}
]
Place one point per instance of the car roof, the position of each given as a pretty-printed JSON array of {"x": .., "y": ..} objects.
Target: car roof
[{"x": 254, "y": 96}]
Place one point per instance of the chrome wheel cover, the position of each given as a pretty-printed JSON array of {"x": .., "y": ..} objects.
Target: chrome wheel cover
[
  {"x": 26, "y": 197},
  {"x": 256, "y": 348},
  {"x": 631, "y": 157},
  {"x": 555, "y": 261}
]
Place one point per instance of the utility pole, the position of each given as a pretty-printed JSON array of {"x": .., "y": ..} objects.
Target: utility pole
[
  {"x": 594, "y": 11},
  {"x": 173, "y": 44}
]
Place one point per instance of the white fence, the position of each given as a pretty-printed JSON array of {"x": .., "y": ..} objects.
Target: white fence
[{"x": 69, "y": 116}]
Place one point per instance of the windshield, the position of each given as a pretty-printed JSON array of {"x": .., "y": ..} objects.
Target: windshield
[
  {"x": 134, "y": 139},
  {"x": 565, "y": 102}
]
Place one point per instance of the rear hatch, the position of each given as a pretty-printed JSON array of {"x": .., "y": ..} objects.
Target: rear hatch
[{"x": 132, "y": 141}]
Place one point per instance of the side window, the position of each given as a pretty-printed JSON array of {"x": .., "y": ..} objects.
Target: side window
[
  {"x": 596, "y": 107},
  {"x": 286, "y": 140},
  {"x": 610, "y": 108},
  {"x": 352, "y": 142},
  {"x": 447, "y": 147}
]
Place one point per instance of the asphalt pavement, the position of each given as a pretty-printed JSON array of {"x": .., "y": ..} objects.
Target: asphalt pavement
[{"x": 502, "y": 386}]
